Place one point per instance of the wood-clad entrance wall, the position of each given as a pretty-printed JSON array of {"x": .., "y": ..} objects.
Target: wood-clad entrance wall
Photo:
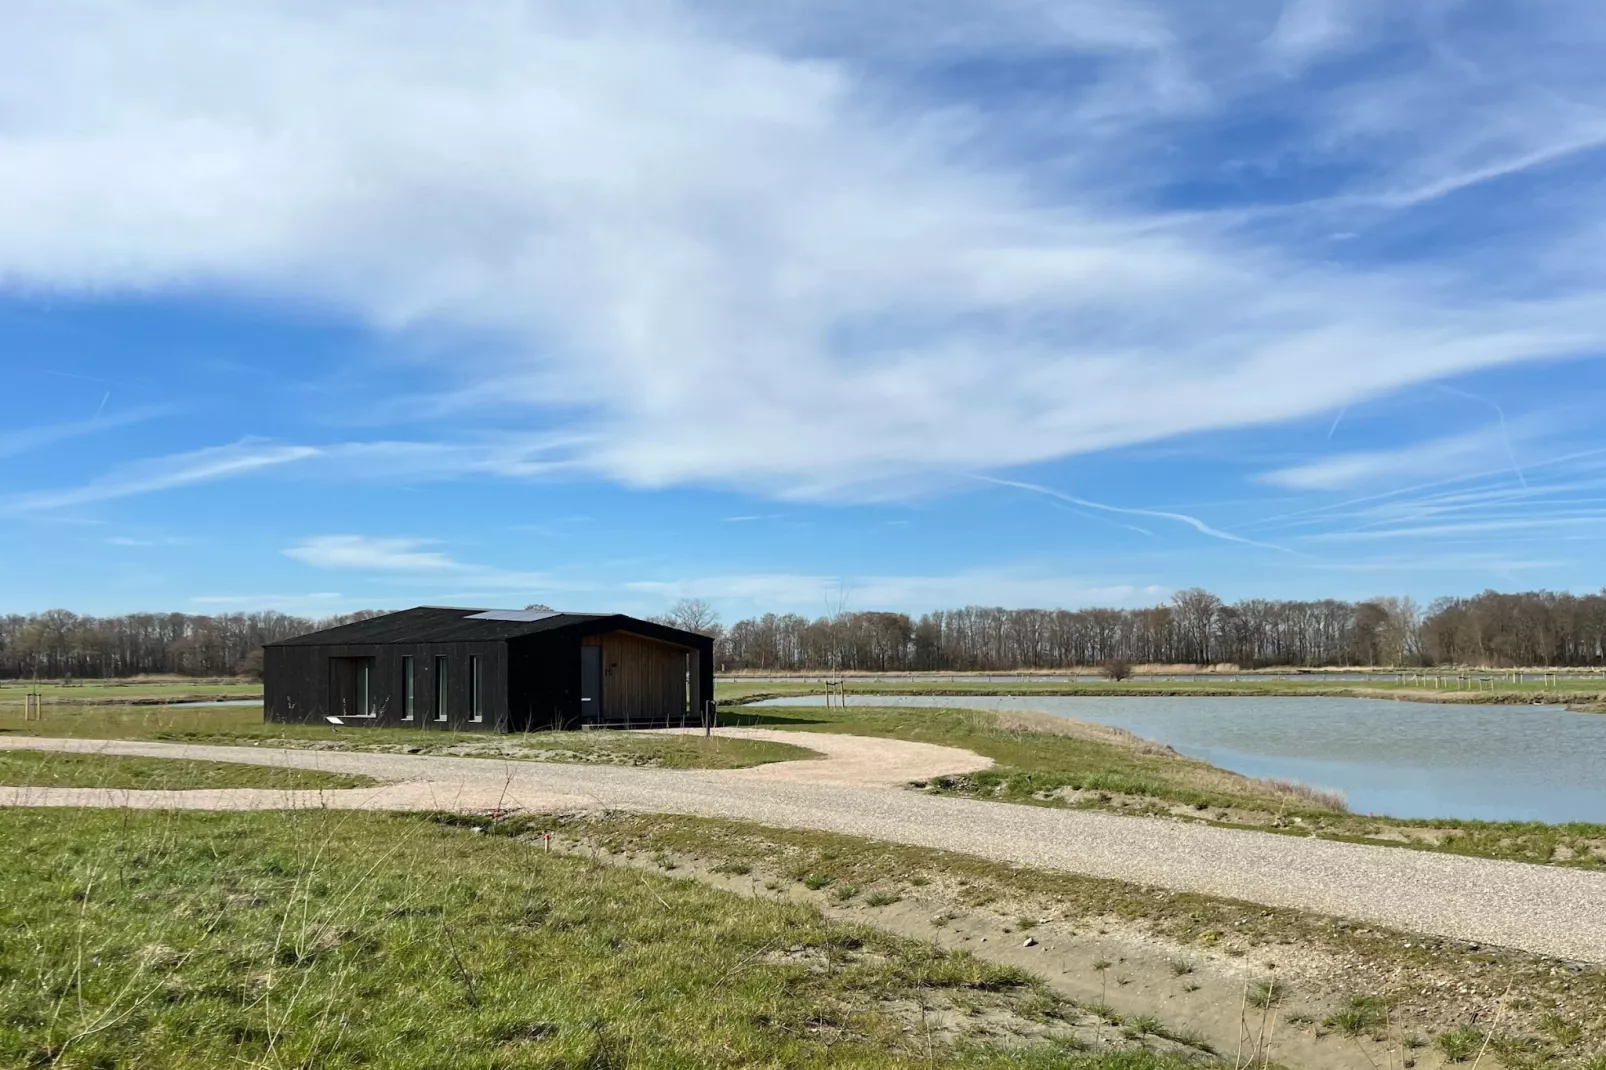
[{"x": 642, "y": 679}]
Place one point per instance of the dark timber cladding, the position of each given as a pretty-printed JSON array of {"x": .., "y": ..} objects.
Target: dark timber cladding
[{"x": 496, "y": 670}]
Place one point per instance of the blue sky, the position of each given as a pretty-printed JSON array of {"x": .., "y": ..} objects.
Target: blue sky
[{"x": 798, "y": 306}]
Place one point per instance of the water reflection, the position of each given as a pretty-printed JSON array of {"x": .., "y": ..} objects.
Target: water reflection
[{"x": 1405, "y": 759}]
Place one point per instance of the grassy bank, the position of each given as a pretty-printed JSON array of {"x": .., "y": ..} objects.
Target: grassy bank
[
  {"x": 1050, "y": 761},
  {"x": 344, "y": 940},
  {"x": 43, "y": 769}
]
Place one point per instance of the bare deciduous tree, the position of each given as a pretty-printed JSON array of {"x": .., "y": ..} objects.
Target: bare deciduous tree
[{"x": 693, "y": 615}]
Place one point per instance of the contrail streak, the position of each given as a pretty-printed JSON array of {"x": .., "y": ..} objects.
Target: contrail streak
[
  {"x": 1181, "y": 518},
  {"x": 1505, "y": 435},
  {"x": 71, "y": 375},
  {"x": 1107, "y": 520}
]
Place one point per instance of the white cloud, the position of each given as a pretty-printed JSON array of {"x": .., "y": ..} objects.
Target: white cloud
[{"x": 662, "y": 214}]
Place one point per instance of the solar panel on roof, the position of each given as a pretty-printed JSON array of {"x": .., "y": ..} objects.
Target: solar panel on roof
[{"x": 523, "y": 616}]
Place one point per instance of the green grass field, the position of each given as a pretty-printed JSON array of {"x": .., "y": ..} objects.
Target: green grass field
[
  {"x": 238, "y": 725},
  {"x": 137, "y": 689},
  {"x": 341, "y": 940},
  {"x": 1472, "y": 686},
  {"x": 44, "y": 769}
]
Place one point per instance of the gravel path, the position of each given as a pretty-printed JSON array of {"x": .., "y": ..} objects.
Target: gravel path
[{"x": 1549, "y": 911}]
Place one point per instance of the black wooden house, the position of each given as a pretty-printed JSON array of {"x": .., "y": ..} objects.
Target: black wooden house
[{"x": 491, "y": 669}]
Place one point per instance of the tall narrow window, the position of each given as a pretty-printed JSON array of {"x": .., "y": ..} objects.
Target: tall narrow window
[
  {"x": 365, "y": 706},
  {"x": 476, "y": 700},
  {"x": 442, "y": 690},
  {"x": 407, "y": 688}
]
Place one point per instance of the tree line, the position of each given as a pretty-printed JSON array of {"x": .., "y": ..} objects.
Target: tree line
[
  {"x": 1538, "y": 628},
  {"x": 56, "y": 643}
]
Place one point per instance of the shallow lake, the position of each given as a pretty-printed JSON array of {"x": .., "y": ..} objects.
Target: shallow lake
[
  {"x": 1086, "y": 676},
  {"x": 1405, "y": 759}
]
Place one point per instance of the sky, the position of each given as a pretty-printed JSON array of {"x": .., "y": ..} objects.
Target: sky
[{"x": 796, "y": 306}]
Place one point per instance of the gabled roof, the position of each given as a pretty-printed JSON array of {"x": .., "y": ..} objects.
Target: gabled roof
[{"x": 446, "y": 624}]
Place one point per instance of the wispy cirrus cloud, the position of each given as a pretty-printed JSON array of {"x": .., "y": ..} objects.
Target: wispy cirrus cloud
[
  {"x": 508, "y": 456},
  {"x": 315, "y": 602},
  {"x": 414, "y": 561},
  {"x": 187, "y": 469},
  {"x": 371, "y": 554},
  {"x": 813, "y": 594},
  {"x": 421, "y": 568},
  {"x": 1474, "y": 452},
  {"x": 875, "y": 269},
  {"x": 140, "y": 541},
  {"x": 27, "y": 439}
]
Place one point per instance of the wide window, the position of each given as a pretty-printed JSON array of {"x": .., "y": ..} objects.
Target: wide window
[
  {"x": 442, "y": 689},
  {"x": 476, "y": 693}
]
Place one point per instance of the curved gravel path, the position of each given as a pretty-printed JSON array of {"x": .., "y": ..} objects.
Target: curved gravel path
[
  {"x": 852, "y": 761},
  {"x": 1545, "y": 910}
]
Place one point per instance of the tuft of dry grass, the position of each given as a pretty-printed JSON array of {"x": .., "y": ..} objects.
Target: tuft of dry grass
[{"x": 1306, "y": 794}]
